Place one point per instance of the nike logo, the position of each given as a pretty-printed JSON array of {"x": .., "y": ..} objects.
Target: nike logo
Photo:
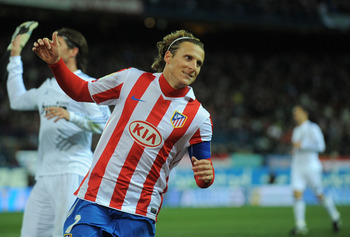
[{"x": 134, "y": 98}]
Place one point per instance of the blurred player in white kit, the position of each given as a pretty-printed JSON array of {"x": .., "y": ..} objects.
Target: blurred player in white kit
[
  {"x": 306, "y": 170},
  {"x": 65, "y": 135}
]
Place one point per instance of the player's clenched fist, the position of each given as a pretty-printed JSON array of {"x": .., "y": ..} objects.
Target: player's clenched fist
[
  {"x": 203, "y": 172},
  {"x": 48, "y": 50}
]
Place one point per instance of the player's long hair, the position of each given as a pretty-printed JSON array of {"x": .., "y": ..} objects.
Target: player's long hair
[
  {"x": 159, "y": 63},
  {"x": 74, "y": 39}
]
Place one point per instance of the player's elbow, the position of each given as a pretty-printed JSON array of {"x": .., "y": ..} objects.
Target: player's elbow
[
  {"x": 322, "y": 149},
  {"x": 15, "y": 105}
]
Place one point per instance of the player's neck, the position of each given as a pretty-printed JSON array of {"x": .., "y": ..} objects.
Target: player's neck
[
  {"x": 169, "y": 91},
  {"x": 302, "y": 122},
  {"x": 72, "y": 66}
]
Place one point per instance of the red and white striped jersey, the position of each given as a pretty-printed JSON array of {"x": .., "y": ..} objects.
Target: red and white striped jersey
[{"x": 148, "y": 133}]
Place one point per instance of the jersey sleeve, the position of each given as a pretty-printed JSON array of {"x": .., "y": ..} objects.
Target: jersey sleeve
[
  {"x": 200, "y": 142},
  {"x": 204, "y": 133},
  {"x": 314, "y": 140},
  {"x": 106, "y": 90},
  {"x": 74, "y": 86},
  {"x": 95, "y": 121},
  {"x": 19, "y": 97}
]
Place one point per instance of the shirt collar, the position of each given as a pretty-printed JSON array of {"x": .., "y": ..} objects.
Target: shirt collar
[{"x": 171, "y": 92}]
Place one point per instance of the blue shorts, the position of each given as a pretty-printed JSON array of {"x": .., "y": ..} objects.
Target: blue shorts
[{"x": 90, "y": 219}]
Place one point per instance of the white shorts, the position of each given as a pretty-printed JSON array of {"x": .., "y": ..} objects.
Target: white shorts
[
  {"x": 303, "y": 176},
  {"x": 48, "y": 204}
]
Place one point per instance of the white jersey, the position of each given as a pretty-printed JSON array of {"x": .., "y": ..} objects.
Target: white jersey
[
  {"x": 64, "y": 146},
  {"x": 310, "y": 136},
  {"x": 147, "y": 135}
]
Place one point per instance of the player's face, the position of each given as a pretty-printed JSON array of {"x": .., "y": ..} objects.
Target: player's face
[
  {"x": 183, "y": 67},
  {"x": 66, "y": 52},
  {"x": 299, "y": 115}
]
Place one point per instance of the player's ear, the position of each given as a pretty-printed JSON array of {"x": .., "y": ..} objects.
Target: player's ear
[
  {"x": 75, "y": 51},
  {"x": 168, "y": 56}
]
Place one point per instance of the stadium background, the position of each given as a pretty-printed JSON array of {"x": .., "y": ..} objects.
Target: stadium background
[{"x": 262, "y": 57}]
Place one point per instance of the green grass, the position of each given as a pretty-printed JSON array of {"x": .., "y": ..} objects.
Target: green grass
[
  {"x": 222, "y": 222},
  {"x": 245, "y": 222},
  {"x": 10, "y": 224}
]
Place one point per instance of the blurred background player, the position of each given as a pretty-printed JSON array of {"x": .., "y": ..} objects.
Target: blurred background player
[
  {"x": 65, "y": 135},
  {"x": 156, "y": 122},
  {"x": 308, "y": 141}
]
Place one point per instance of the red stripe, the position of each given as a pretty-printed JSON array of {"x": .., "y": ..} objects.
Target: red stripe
[
  {"x": 190, "y": 111},
  {"x": 162, "y": 198},
  {"x": 99, "y": 170},
  {"x": 112, "y": 93},
  {"x": 196, "y": 138},
  {"x": 134, "y": 156}
]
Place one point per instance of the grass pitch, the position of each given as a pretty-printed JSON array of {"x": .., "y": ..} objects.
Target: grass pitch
[{"x": 244, "y": 221}]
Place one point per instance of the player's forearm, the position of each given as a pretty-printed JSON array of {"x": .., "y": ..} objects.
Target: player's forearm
[
  {"x": 313, "y": 147},
  {"x": 314, "y": 144},
  {"x": 94, "y": 125},
  {"x": 74, "y": 86}
]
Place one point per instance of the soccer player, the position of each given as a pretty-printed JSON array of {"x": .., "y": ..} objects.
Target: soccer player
[
  {"x": 156, "y": 121},
  {"x": 65, "y": 136},
  {"x": 306, "y": 169}
]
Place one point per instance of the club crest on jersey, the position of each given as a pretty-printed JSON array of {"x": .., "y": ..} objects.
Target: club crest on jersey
[
  {"x": 145, "y": 133},
  {"x": 178, "y": 120}
]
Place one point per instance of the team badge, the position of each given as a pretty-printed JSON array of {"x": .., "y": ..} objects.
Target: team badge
[{"x": 178, "y": 120}]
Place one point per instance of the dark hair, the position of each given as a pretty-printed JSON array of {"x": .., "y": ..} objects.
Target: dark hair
[
  {"x": 74, "y": 39},
  {"x": 163, "y": 46}
]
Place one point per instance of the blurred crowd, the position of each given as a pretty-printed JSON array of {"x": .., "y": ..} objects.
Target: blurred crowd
[
  {"x": 249, "y": 93},
  {"x": 285, "y": 8}
]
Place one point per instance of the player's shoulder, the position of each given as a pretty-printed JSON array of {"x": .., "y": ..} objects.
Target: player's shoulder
[
  {"x": 134, "y": 74},
  {"x": 47, "y": 82},
  {"x": 202, "y": 111},
  {"x": 125, "y": 72},
  {"x": 131, "y": 70},
  {"x": 313, "y": 125}
]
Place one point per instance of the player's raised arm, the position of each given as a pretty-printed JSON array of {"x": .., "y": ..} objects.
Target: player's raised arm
[{"x": 48, "y": 50}]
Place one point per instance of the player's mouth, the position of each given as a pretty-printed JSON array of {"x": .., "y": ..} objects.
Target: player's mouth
[{"x": 189, "y": 76}]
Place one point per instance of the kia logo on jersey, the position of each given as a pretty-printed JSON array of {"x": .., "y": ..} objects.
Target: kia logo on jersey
[{"x": 145, "y": 133}]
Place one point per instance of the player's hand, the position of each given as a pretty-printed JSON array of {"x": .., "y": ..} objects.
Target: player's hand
[
  {"x": 16, "y": 48},
  {"x": 25, "y": 29},
  {"x": 48, "y": 50},
  {"x": 203, "y": 169},
  {"x": 56, "y": 112}
]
